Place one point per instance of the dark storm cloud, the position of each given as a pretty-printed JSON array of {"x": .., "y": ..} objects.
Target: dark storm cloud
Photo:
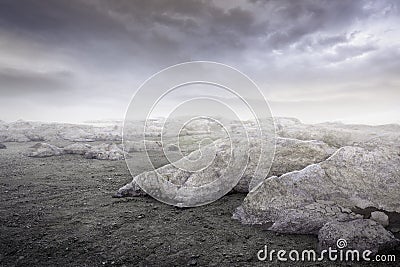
[
  {"x": 167, "y": 31},
  {"x": 105, "y": 48},
  {"x": 293, "y": 20}
]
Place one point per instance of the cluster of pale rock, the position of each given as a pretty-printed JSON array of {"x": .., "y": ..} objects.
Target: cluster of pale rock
[
  {"x": 101, "y": 151},
  {"x": 325, "y": 198},
  {"x": 24, "y": 131},
  {"x": 332, "y": 180}
]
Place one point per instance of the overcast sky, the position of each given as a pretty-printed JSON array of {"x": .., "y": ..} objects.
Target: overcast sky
[{"x": 315, "y": 60}]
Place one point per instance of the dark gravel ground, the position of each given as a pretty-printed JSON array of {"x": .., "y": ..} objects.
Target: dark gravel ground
[{"x": 59, "y": 211}]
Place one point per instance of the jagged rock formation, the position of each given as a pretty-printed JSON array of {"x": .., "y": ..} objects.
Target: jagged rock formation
[
  {"x": 188, "y": 172},
  {"x": 105, "y": 152},
  {"x": 338, "y": 134},
  {"x": 42, "y": 150},
  {"x": 130, "y": 190},
  {"x": 380, "y": 217},
  {"x": 23, "y": 131},
  {"x": 140, "y": 146},
  {"x": 76, "y": 134},
  {"x": 101, "y": 152},
  {"x": 307, "y": 200},
  {"x": 77, "y": 148},
  {"x": 79, "y": 133},
  {"x": 349, "y": 179},
  {"x": 290, "y": 155},
  {"x": 320, "y": 176},
  {"x": 360, "y": 234}
]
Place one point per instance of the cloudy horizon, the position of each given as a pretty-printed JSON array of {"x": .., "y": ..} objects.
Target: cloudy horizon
[{"x": 80, "y": 60}]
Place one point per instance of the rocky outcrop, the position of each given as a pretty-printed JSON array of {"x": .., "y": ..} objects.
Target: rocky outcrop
[
  {"x": 141, "y": 147},
  {"x": 360, "y": 235},
  {"x": 348, "y": 179},
  {"x": 320, "y": 199},
  {"x": 85, "y": 133},
  {"x": 130, "y": 190},
  {"x": 3, "y": 146},
  {"x": 105, "y": 152},
  {"x": 294, "y": 154},
  {"x": 101, "y": 152},
  {"x": 23, "y": 131},
  {"x": 76, "y": 134},
  {"x": 42, "y": 150},
  {"x": 77, "y": 148},
  {"x": 14, "y": 137},
  {"x": 310, "y": 218},
  {"x": 290, "y": 155},
  {"x": 338, "y": 134},
  {"x": 380, "y": 217},
  {"x": 211, "y": 164}
]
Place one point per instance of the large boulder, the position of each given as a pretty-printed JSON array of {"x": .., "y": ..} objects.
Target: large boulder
[
  {"x": 359, "y": 234},
  {"x": 380, "y": 217},
  {"x": 77, "y": 148},
  {"x": 310, "y": 218},
  {"x": 21, "y": 131},
  {"x": 290, "y": 155},
  {"x": 353, "y": 177},
  {"x": 213, "y": 163},
  {"x": 88, "y": 133},
  {"x": 105, "y": 152},
  {"x": 3, "y": 146},
  {"x": 42, "y": 150},
  {"x": 13, "y": 136},
  {"x": 338, "y": 134},
  {"x": 133, "y": 146},
  {"x": 102, "y": 151},
  {"x": 107, "y": 133},
  {"x": 130, "y": 190},
  {"x": 77, "y": 134}
]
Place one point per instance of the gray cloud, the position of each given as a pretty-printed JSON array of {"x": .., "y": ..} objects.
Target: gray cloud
[
  {"x": 19, "y": 82},
  {"x": 98, "y": 52}
]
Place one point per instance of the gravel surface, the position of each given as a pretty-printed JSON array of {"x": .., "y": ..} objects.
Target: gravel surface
[{"x": 59, "y": 211}]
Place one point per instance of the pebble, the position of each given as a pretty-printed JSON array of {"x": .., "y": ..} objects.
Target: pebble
[
  {"x": 192, "y": 262},
  {"x": 395, "y": 230},
  {"x": 380, "y": 217}
]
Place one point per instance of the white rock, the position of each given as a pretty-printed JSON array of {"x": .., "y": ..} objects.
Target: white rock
[
  {"x": 380, "y": 217},
  {"x": 41, "y": 150},
  {"x": 77, "y": 148},
  {"x": 359, "y": 234},
  {"x": 339, "y": 134},
  {"x": 349, "y": 177},
  {"x": 290, "y": 155},
  {"x": 105, "y": 152},
  {"x": 213, "y": 163}
]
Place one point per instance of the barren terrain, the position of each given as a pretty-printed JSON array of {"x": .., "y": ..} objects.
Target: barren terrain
[{"x": 60, "y": 211}]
